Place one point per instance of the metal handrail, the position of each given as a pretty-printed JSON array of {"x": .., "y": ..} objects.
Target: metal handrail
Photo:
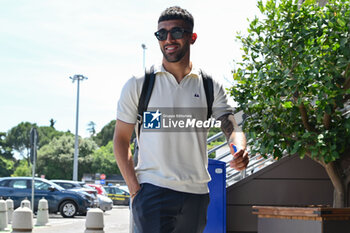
[
  {"x": 224, "y": 155},
  {"x": 216, "y": 148},
  {"x": 214, "y": 137}
]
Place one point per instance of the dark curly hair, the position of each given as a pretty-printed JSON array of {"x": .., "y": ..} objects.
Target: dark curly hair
[{"x": 176, "y": 12}]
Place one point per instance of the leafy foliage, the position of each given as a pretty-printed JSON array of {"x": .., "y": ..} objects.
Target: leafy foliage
[
  {"x": 103, "y": 160},
  {"x": 91, "y": 128},
  {"x": 55, "y": 152},
  {"x": 47, "y": 133},
  {"x": 5, "y": 149},
  {"x": 18, "y": 138},
  {"x": 294, "y": 79},
  {"x": 22, "y": 169},
  {"x": 55, "y": 159},
  {"x": 6, "y": 166},
  {"x": 106, "y": 134}
]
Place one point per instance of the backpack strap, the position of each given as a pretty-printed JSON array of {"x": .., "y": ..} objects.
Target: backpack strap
[
  {"x": 145, "y": 96},
  {"x": 209, "y": 92}
]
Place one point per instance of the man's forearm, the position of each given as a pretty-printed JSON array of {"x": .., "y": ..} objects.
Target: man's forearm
[
  {"x": 123, "y": 156},
  {"x": 125, "y": 163},
  {"x": 232, "y": 131},
  {"x": 235, "y": 135}
]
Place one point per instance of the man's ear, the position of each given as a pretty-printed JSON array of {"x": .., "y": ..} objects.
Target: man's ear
[{"x": 194, "y": 38}]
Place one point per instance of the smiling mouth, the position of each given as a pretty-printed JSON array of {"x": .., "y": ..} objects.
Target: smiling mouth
[{"x": 170, "y": 48}]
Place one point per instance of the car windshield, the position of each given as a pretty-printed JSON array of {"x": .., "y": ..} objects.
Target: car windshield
[{"x": 66, "y": 185}]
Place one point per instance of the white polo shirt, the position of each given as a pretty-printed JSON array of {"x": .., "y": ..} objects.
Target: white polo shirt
[{"x": 175, "y": 160}]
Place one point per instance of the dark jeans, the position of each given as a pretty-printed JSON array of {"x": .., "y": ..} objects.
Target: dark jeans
[{"x": 162, "y": 210}]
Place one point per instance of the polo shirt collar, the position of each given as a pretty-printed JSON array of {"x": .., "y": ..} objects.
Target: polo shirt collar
[{"x": 195, "y": 72}]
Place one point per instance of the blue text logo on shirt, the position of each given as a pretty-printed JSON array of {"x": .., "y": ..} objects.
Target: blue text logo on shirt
[{"x": 152, "y": 120}]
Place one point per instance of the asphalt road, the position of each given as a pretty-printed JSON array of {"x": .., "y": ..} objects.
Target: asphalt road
[{"x": 115, "y": 221}]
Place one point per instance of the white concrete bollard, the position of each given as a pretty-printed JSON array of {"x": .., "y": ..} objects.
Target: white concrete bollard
[
  {"x": 9, "y": 203},
  {"x": 94, "y": 221},
  {"x": 26, "y": 203},
  {"x": 3, "y": 215},
  {"x": 42, "y": 217},
  {"x": 22, "y": 220}
]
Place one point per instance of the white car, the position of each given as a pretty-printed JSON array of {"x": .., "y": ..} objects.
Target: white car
[{"x": 104, "y": 203}]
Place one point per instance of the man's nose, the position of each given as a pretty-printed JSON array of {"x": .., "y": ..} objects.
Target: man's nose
[{"x": 169, "y": 37}]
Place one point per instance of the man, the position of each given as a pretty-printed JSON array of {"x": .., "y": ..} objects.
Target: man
[{"x": 168, "y": 187}]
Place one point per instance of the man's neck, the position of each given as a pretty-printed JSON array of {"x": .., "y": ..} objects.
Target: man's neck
[{"x": 178, "y": 69}]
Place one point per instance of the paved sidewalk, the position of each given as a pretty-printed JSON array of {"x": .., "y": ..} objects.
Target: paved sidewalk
[{"x": 115, "y": 221}]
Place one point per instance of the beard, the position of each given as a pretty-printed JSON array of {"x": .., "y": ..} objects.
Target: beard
[{"x": 176, "y": 56}]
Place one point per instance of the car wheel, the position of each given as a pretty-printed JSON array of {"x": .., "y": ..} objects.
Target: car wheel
[{"x": 68, "y": 209}]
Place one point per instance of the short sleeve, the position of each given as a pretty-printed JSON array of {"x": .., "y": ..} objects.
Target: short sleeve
[
  {"x": 220, "y": 104},
  {"x": 128, "y": 102}
]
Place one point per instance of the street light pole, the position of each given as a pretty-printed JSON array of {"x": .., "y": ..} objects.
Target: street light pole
[
  {"x": 144, "y": 55},
  {"x": 79, "y": 78}
]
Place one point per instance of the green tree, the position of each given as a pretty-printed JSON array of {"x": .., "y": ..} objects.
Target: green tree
[
  {"x": 5, "y": 149},
  {"x": 103, "y": 160},
  {"x": 22, "y": 169},
  {"x": 18, "y": 138},
  {"x": 7, "y": 161},
  {"x": 91, "y": 128},
  {"x": 46, "y": 134},
  {"x": 86, "y": 148},
  {"x": 294, "y": 82},
  {"x": 52, "y": 123},
  {"x": 55, "y": 159},
  {"x": 6, "y": 166},
  {"x": 106, "y": 134}
]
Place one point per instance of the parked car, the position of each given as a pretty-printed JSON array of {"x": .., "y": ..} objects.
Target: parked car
[
  {"x": 104, "y": 202},
  {"x": 118, "y": 196},
  {"x": 80, "y": 187},
  {"x": 124, "y": 187},
  {"x": 99, "y": 188},
  {"x": 68, "y": 203},
  {"x": 70, "y": 184}
]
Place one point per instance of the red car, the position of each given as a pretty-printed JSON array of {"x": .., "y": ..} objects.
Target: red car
[{"x": 99, "y": 188}]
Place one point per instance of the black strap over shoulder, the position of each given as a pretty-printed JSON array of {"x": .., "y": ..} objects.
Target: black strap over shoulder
[
  {"x": 145, "y": 96},
  {"x": 209, "y": 92}
]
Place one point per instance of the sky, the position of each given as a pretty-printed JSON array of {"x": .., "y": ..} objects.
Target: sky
[{"x": 44, "y": 42}]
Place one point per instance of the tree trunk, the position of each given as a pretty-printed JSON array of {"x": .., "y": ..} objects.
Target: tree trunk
[{"x": 339, "y": 183}]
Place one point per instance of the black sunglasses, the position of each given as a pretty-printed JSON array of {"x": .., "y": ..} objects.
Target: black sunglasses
[{"x": 176, "y": 33}]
